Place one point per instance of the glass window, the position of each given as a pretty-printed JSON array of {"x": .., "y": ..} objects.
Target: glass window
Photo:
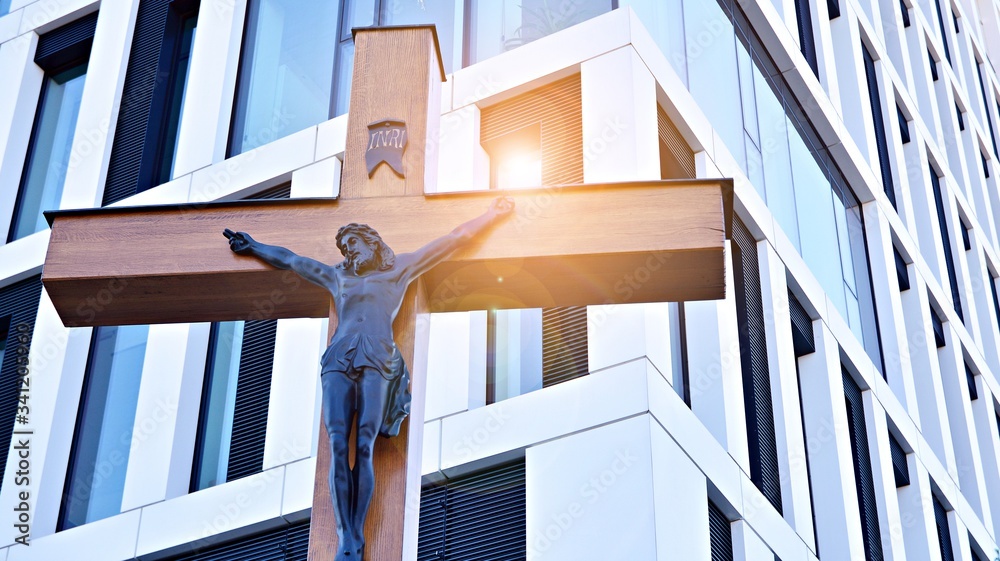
[
  {"x": 514, "y": 363},
  {"x": 665, "y": 21},
  {"x": 286, "y": 71},
  {"x": 4, "y": 7},
  {"x": 96, "y": 476},
  {"x": 215, "y": 428},
  {"x": 49, "y": 150},
  {"x": 177, "y": 96},
  {"x": 499, "y": 26}
]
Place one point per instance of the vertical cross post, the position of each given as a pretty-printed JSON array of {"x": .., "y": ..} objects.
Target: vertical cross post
[{"x": 397, "y": 77}]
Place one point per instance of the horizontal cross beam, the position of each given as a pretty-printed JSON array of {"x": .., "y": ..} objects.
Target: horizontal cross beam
[{"x": 573, "y": 245}]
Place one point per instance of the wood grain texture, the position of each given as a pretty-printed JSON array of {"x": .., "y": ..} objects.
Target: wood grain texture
[
  {"x": 396, "y": 76},
  {"x": 564, "y": 246}
]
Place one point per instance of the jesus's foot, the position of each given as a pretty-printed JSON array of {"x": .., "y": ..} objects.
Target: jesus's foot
[{"x": 347, "y": 551}]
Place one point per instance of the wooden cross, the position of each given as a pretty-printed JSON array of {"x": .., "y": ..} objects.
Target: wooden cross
[{"x": 587, "y": 244}]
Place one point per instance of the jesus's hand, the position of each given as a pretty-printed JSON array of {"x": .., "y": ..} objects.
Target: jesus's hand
[{"x": 239, "y": 242}]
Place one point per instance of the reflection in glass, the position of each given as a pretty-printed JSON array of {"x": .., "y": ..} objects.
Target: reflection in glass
[
  {"x": 215, "y": 428},
  {"x": 4, "y": 7},
  {"x": 104, "y": 425},
  {"x": 286, "y": 71},
  {"x": 178, "y": 97},
  {"x": 49, "y": 150},
  {"x": 499, "y": 26},
  {"x": 515, "y": 341}
]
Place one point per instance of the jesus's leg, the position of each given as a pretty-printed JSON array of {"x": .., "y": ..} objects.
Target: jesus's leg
[
  {"x": 339, "y": 405},
  {"x": 371, "y": 408}
]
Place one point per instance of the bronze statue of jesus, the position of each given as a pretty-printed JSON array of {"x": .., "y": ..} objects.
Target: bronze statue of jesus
[{"x": 365, "y": 382}]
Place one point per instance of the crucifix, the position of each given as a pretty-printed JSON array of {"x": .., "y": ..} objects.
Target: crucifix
[{"x": 652, "y": 241}]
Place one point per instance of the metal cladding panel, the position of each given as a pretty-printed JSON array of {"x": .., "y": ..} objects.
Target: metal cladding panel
[
  {"x": 66, "y": 44},
  {"x": 899, "y": 467},
  {"x": 289, "y": 543},
  {"x": 943, "y": 532},
  {"x": 253, "y": 391},
  {"x": 475, "y": 517},
  {"x": 753, "y": 361},
  {"x": 558, "y": 111},
  {"x": 564, "y": 344},
  {"x": 141, "y": 80},
  {"x": 720, "y": 534},
  {"x": 862, "y": 469},
  {"x": 18, "y": 306}
]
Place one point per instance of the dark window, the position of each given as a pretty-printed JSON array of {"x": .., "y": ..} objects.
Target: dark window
[
  {"x": 802, "y": 328},
  {"x": 906, "y": 13},
  {"x": 902, "y": 274},
  {"x": 63, "y": 55},
  {"x": 833, "y": 6},
  {"x": 954, "y": 19},
  {"x": 986, "y": 109},
  {"x": 477, "y": 516},
  {"x": 288, "y": 543},
  {"x": 934, "y": 70},
  {"x": 862, "y": 469},
  {"x": 904, "y": 126},
  {"x": 943, "y": 532},
  {"x": 970, "y": 379},
  {"x": 986, "y": 166},
  {"x": 720, "y": 534},
  {"x": 753, "y": 361},
  {"x": 993, "y": 291},
  {"x": 961, "y": 119},
  {"x": 875, "y": 99},
  {"x": 104, "y": 425},
  {"x": 946, "y": 242},
  {"x": 938, "y": 327},
  {"x": 966, "y": 236},
  {"x": 807, "y": 43},
  {"x": 899, "y": 467},
  {"x": 944, "y": 31},
  {"x": 18, "y": 308},
  {"x": 975, "y": 554},
  {"x": 142, "y": 155}
]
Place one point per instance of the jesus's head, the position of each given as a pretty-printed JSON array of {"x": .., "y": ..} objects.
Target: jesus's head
[{"x": 363, "y": 249}]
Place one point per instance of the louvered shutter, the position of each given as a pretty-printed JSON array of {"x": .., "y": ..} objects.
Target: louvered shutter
[
  {"x": 18, "y": 306},
  {"x": 943, "y": 532},
  {"x": 479, "y": 517},
  {"x": 564, "y": 344},
  {"x": 290, "y": 543},
  {"x": 676, "y": 157},
  {"x": 720, "y": 534},
  {"x": 803, "y": 340},
  {"x": 68, "y": 44},
  {"x": 862, "y": 469},
  {"x": 558, "y": 110},
  {"x": 142, "y": 128},
  {"x": 283, "y": 191},
  {"x": 253, "y": 390},
  {"x": 753, "y": 361}
]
